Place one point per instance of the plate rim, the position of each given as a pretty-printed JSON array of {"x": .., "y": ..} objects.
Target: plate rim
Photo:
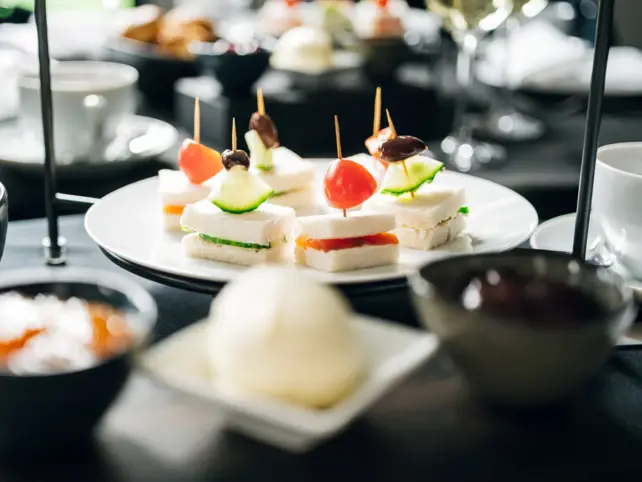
[
  {"x": 382, "y": 277},
  {"x": 561, "y": 219},
  {"x": 635, "y": 285},
  {"x": 33, "y": 165}
]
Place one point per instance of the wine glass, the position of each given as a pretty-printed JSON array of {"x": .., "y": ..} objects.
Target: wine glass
[
  {"x": 468, "y": 22},
  {"x": 504, "y": 122}
]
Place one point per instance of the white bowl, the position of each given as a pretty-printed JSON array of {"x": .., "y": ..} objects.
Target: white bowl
[{"x": 393, "y": 352}]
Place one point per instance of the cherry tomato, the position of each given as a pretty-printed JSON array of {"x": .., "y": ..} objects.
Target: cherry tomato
[
  {"x": 382, "y": 3},
  {"x": 348, "y": 184},
  {"x": 198, "y": 162}
]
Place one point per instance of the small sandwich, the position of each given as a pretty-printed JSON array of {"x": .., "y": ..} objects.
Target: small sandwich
[
  {"x": 257, "y": 237},
  {"x": 333, "y": 243},
  {"x": 234, "y": 225},
  {"x": 198, "y": 164},
  {"x": 434, "y": 217},
  {"x": 338, "y": 242},
  {"x": 291, "y": 178},
  {"x": 176, "y": 191},
  {"x": 426, "y": 217}
]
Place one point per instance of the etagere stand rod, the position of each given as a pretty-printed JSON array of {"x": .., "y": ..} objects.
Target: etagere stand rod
[
  {"x": 593, "y": 122},
  {"x": 55, "y": 245}
]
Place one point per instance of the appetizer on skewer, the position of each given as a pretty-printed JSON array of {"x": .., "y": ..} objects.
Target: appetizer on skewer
[
  {"x": 427, "y": 218},
  {"x": 379, "y": 136},
  {"x": 198, "y": 164},
  {"x": 338, "y": 242},
  {"x": 234, "y": 224},
  {"x": 291, "y": 178},
  {"x": 376, "y": 20}
]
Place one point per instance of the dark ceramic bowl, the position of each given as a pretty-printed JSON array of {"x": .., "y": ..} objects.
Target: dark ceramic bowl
[
  {"x": 157, "y": 72},
  {"x": 42, "y": 412},
  {"x": 236, "y": 70},
  {"x": 4, "y": 217},
  {"x": 514, "y": 361}
]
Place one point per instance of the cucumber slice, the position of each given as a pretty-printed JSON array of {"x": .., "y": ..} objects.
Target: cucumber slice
[
  {"x": 240, "y": 191},
  {"x": 421, "y": 170},
  {"x": 260, "y": 156},
  {"x": 238, "y": 244}
]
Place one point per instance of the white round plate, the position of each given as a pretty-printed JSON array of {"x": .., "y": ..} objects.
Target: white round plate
[
  {"x": 557, "y": 235},
  {"x": 127, "y": 224},
  {"x": 21, "y": 152}
]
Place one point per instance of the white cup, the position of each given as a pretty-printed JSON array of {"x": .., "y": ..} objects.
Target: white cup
[
  {"x": 617, "y": 202},
  {"x": 90, "y": 100}
]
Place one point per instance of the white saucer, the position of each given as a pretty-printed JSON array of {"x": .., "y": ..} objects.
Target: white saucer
[
  {"x": 557, "y": 235},
  {"x": 127, "y": 223},
  {"x": 21, "y": 152},
  {"x": 393, "y": 352}
]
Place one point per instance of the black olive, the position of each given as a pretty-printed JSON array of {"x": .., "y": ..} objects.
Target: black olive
[
  {"x": 235, "y": 158},
  {"x": 401, "y": 148},
  {"x": 265, "y": 128}
]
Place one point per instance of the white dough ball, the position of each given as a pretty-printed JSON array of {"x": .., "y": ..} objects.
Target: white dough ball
[
  {"x": 303, "y": 49},
  {"x": 275, "y": 332}
]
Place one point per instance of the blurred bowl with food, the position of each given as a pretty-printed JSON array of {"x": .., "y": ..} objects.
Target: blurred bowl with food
[
  {"x": 235, "y": 65},
  {"x": 67, "y": 343},
  {"x": 156, "y": 42},
  {"x": 307, "y": 55},
  {"x": 526, "y": 328}
]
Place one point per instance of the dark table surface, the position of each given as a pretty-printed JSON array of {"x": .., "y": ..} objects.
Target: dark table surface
[{"x": 426, "y": 429}]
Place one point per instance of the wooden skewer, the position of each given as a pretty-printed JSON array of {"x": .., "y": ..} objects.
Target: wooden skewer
[
  {"x": 376, "y": 126},
  {"x": 337, "y": 133},
  {"x": 260, "y": 101},
  {"x": 234, "y": 134},
  {"x": 197, "y": 121},
  {"x": 393, "y": 131}
]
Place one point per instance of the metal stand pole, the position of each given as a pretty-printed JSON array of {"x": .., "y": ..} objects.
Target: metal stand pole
[
  {"x": 593, "y": 122},
  {"x": 54, "y": 245}
]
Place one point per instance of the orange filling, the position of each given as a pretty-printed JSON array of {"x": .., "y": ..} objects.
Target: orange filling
[
  {"x": 170, "y": 209},
  {"x": 111, "y": 334},
  {"x": 381, "y": 239},
  {"x": 10, "y": 346}
]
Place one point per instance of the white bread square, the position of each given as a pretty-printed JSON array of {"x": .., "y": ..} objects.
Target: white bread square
[
  {"x": 290, "y": 172},
  {"x": 171, "y": 222},
  {"x": 300, "y": 198},
  {"x": 431, "y": 205},
  {"x": 265, "y": 225},
  {"x": 175, "y": 189},
  {"x": 336, "y": 226},
  {"x": 348, "y": 259},
  {"x": 427, "y": 239},
  {"x": 196, "y": 247}
]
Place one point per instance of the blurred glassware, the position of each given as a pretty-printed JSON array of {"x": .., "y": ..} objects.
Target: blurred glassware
[
  {"x": 504, "y": 122},
  {"x": 468, "y": 22}
]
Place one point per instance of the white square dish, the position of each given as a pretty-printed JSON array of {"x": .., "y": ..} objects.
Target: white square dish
[{"x": 393, "y": 352}]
